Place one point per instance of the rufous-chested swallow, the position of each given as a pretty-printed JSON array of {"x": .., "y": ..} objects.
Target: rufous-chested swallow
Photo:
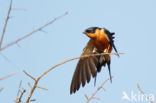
[{"x": 101, "y": 41}]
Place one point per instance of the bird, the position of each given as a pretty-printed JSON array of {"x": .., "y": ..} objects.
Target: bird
[{"x": 101, "y": 41}]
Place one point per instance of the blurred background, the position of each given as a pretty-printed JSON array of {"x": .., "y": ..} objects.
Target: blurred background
[{"x": 133, "y": 21}]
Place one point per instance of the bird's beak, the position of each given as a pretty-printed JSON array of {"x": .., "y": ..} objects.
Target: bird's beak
[{"x": 84, "y": 32}]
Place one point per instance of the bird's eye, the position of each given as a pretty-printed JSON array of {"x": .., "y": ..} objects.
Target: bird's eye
[{"x": 90, "y": 31}]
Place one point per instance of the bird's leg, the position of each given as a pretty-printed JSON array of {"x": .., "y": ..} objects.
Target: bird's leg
[
  {"x": 95, "y": 51},
  {"x": 107, "y": 50}
]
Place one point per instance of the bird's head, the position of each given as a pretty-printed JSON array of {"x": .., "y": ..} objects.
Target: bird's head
[{"x": 92, "y": 32}]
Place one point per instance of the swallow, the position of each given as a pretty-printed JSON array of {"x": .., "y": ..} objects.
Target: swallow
[{"x": 101, "y": 41}]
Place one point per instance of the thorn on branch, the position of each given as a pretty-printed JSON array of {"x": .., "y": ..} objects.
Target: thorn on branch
[
  {"x": 104, "y": 89},
  {"x": 43, "y": 31},
  {"x": 18, "y": 45}
]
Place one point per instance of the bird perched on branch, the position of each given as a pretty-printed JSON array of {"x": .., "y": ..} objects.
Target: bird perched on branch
[{"x": 101, "y": 41}]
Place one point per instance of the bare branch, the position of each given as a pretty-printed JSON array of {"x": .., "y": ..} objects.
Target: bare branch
[
  {"x": 142, "y": 92},
  {"x": 85, "y": 56},
  {"x": 32, "y": 91},
  {"x": 37, "y": 80},
  {"x": 98, "y": 89},
  {"x": 9, "y": 75},
  {"x": 5, "y": 25},
  {"x": 33, "y": 32}
]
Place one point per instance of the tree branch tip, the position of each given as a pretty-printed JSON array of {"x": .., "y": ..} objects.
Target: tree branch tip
[
  {"x": 9, "y": 75},
  {"x": 42, "y": 88},
  {"x": 66, "y": 12},
  {"x": 19, "y": 9},
  {"x": 104, "y": 89},
  {"x": 137, "y": 84},
  {"x": 5, "y": 24},
  {"x": 29, "y": 85},
  {"x": 1, "y": 88},
  {"x": 32, "y": 100},
  {"x": 86, "y": 96},
  {"x": 142, "y": 92},
  {"x": 99, "y": 99},
  {"x": 27, "y": 35},
  {"x": 29, "y": 75},
  {"x": 24, "y": 90}
]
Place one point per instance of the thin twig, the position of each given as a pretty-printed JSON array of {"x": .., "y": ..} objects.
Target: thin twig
[
  {"x": 86, "y": 96},
  {"x": 29, "y": 75},
  {"x": 142, "y": 92},
  {"x": 19, "y": 9},
  {"x": 37, "y": 80},
  {"x": 99, "y": 99},
  {"x": 1, "y": 89},
  {"x": 33, "y": 32},
  {"x": 5, "y": 57},
  {"x": 42, "y": 88},
  {"x": 19, "y": 88},
  {"x": 9, "y": 75},
  {"x": 18, "y": 100},
  {"x": 98, "y": 89},
  {"x": 29, "y": 85},
  {"x": 21, "y": 95},
  {"x": 32, "y": 100},
  {"x": 5, "y": 25}
]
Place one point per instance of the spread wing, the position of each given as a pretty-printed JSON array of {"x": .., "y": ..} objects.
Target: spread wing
[{"x": 85, "y": 68}]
